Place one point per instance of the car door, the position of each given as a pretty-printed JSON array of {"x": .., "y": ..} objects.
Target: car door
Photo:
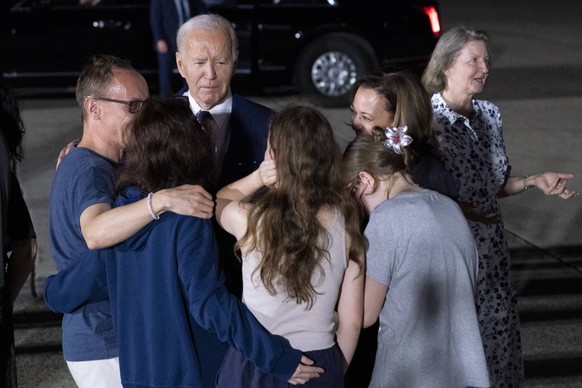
[{"x": 53, "y": 39}]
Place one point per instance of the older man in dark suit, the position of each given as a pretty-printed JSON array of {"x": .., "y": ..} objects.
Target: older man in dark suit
[
  {"x": 166, "y": 16},
  {"x": 206, "y": 58}
]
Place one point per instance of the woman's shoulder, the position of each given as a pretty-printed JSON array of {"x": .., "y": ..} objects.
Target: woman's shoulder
[
  {"x": 486, "y": 105},
  {"x": 329, "y": 215}
]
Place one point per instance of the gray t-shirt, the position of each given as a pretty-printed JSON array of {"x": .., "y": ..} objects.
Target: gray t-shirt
[{"x": 421, "y": 247}]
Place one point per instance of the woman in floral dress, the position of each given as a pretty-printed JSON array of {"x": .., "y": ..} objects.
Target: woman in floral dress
[{"x": 469, "y": 132}]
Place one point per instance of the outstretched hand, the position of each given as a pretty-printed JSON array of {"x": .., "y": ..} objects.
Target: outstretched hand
[
  {"x": 305, "y": 372},
  {"x": 554, "y": 183}
]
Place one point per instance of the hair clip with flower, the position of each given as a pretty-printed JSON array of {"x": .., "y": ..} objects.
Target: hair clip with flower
[{"x": 396, "y": 138}]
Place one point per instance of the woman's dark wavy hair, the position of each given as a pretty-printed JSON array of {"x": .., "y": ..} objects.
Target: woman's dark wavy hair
[
  {"x": 11, "y": 124},
  {"x": 283, "y": 223},
  {"x": 165, "y": 147},
  {"x": 408, "y": 102}
]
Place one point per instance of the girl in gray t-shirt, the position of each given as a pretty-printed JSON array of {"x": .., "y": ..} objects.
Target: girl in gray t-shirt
[{"x": 421, "y": 272}]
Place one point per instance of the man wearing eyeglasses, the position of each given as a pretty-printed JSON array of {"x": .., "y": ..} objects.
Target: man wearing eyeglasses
[{"x": 81, "y": 217}]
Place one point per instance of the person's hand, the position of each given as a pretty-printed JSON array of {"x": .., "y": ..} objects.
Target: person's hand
[
  {"x": 188, "y": 200},
  {"x": 269, "y": 153},
  {"x": 161, "y": 46},
  {"x": 305, "y": 372},
  {"x": 554, "y": 183},
  {"x": 268, "y": 172},
  {"x": 66, "y": 150}
]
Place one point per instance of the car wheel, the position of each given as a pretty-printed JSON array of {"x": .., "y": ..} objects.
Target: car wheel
[{"x": 326, "y": 69}]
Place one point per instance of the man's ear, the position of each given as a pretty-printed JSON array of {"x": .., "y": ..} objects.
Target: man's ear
[{"x": 92, "y": 107}]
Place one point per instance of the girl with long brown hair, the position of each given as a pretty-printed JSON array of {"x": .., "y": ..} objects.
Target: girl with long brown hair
[{"x": 302, "y": 250}]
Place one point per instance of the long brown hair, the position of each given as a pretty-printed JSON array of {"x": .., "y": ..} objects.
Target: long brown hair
[{"x": 283, "y": 224}]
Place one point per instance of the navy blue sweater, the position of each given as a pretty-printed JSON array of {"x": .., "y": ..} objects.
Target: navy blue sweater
[{"x": 159, "y": 282}]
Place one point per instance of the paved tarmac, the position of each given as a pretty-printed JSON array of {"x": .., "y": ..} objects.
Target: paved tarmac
[{"x": 537, "y": 85}]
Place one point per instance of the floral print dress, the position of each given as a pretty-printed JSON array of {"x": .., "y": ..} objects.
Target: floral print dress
[{"x": 474, "y": 153}]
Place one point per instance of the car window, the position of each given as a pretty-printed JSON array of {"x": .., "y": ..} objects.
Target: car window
[
  {"x": 219, "y": 2},
  {"x": 314, "y": 2},
  {"x": 65, "y": 4}
]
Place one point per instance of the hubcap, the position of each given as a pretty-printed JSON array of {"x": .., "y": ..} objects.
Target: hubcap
[{"x": 333, "y": 73}]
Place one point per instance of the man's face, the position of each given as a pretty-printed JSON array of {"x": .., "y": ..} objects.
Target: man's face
[
  {"x": 207, "y": 64},
  {"x": 127, "y": 85}
]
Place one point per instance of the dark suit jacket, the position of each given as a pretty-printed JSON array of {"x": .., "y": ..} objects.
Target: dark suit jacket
[
  {"x": 164, "y": 19},
  {"x": 249, "y": 128}
]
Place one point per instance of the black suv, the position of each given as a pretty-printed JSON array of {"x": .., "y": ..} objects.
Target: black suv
[{"x": 318, "y": 46}]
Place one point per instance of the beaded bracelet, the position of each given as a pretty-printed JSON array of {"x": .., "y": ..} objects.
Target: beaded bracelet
[{"x": 150, "y": 209}]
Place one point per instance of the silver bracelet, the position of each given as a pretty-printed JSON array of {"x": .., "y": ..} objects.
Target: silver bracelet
[
  {"x": 150, "y": 209},
  {"x": 525, "y": 186}
]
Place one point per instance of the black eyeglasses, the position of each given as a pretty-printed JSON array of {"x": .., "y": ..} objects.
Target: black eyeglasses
[{"x": 133, "y": 106}]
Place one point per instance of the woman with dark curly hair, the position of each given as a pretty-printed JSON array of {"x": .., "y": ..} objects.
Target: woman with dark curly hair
[{"x": 396, "y": 99}]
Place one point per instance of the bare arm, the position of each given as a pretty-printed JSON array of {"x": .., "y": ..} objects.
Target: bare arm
[
  {"x": 103, "y": 226},
  {"x": 550, "y": 183},
  {"x": 374, "y": 296},
  {"x": 231, "y": 212},
  {"x": 232, "y": 216},
  {"x": 265, "y": 175},
  {"x": 350, "y": 311},
  {"x": 21, "y": 264}
]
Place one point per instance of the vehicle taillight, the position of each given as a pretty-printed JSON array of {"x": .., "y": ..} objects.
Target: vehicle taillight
[{"x": 433, "y": 16}]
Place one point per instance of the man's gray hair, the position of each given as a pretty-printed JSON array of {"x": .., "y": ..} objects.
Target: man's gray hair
[{"x": 208, "y": 22}]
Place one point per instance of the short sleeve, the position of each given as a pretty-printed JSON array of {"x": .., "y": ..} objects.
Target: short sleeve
[{"x": 380, "y": 257}]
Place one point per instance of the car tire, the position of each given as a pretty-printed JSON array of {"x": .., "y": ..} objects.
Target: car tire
[{"x": 328, "y": 67}]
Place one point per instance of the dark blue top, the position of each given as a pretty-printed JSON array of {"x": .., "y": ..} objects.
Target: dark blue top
[
  {"x": 430, "y": 173},
  {"x": 159, "y": 282},
  {"x": 84, "y": 178}
]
